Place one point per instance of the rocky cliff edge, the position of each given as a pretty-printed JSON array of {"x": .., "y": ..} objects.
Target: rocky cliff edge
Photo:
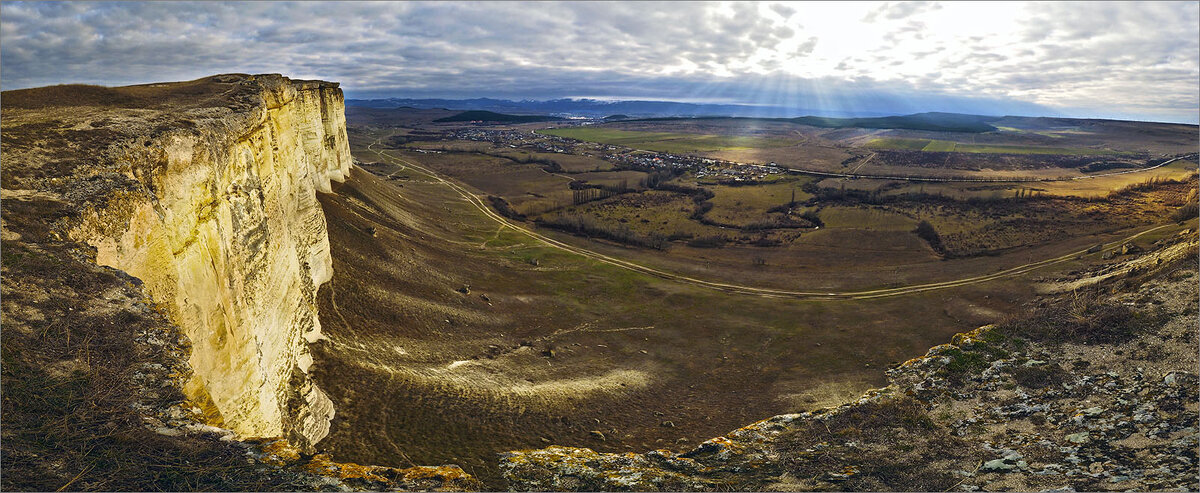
[{"x": 162, "y": 247}]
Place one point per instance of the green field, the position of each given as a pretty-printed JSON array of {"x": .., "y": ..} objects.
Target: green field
[
  {"x": 948, "y": 146},
  {"x": 939, "y": 146},
  {"x": 1054, "y": 134},
  {"x": 665, "y": 141}
]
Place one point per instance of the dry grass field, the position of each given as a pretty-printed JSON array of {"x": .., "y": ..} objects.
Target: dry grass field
[
  {"x": 934, "y": 145},
  {"x": 474, "y": 340},
  {"x": 1084, "y": 187},
  {"x": 742, "y": 205},
  {"x": 478, "y": 334},
  {"x": 1021, "y": 148}
]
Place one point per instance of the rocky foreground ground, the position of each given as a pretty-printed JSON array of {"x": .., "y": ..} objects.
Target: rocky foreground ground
[{"x": 1096, "y": 390}]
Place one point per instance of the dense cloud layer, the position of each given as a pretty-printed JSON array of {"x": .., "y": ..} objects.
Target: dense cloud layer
[{"x": 1109, "y": 59}]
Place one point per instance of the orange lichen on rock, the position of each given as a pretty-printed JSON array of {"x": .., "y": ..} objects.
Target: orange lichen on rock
[
  {"x": 277, "y": 452},
  {"x": 323, "y": 464},
  {"x": 439, "y": 478}
]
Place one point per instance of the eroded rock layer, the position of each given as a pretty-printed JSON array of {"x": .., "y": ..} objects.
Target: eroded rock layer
[{"x": 206, "y": 192}]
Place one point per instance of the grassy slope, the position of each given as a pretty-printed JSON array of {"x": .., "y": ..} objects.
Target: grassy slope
[
  {"x": 593, "y": 289},
  {"x": 711, "y": 340}
]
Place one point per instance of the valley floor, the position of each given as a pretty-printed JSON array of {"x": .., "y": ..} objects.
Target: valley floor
[
  {"x": 476, "y": 338},
  {"x": 1097, "y": 391}
]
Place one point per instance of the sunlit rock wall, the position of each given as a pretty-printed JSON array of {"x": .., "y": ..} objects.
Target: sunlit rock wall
[{"x": 227, "y": 234}]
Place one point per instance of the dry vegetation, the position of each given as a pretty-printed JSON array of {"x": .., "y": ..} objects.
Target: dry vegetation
[
  {"x": 901, "y": 448},
  {"x": 968, "y": 219},
  {"x": 197, "y": 93},
  {"x": 1086, "y": 316},
  {"x": 74, "y": 379},
  {"x": 495, "y": 336},
  {"x": 787, "y": 239}
]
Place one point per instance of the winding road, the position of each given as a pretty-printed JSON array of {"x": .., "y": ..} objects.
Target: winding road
[{"x": 738, "y": 288}]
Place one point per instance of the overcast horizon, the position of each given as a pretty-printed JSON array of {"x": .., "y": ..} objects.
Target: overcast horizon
[{"x": 1138, "y": 61}]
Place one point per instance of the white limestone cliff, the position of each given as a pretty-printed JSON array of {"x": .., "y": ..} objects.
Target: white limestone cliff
[{"x": 224, "y": 229}]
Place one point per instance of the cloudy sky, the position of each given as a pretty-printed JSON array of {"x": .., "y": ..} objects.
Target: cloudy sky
[{"x": 1115, "y": 60}]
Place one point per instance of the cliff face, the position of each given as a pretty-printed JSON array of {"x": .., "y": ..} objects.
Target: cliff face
[
  {"x": 205, "y": 191},
  {"x": 228, "y": 235}
]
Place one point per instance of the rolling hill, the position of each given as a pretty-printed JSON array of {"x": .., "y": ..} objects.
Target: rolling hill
[{"x": 490, "y": 116}]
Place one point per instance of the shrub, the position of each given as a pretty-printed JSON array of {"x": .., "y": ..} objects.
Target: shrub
[
  {"x": 1186, "y": 213},
  {"x": 714, "y": 241},
  {"x": 701, "y": 209},
  {"x": 1189, "y": 211},
  {"x": 1036, "y": 377},
  {"x": 504, "y": 208},
  {"x": 926, "y": 232},
  {"x": 589, "y": 226},
  {"x": 1082, "y": 318},
  {"x": 812, "y": 217},
  {"x": 777, "y": 223},
  {"x": 897, "y": 447},
  {"x": 657, "y": 178}
]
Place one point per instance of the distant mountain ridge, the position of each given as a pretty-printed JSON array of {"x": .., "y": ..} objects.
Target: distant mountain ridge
[
  {"x": 491, "y": 116},
  {"x": 667, "y": 110},
  {"x": 935, "y": 121},
  {"x": 932, "y": 121},
  {"x": 594, "y": 108}
]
